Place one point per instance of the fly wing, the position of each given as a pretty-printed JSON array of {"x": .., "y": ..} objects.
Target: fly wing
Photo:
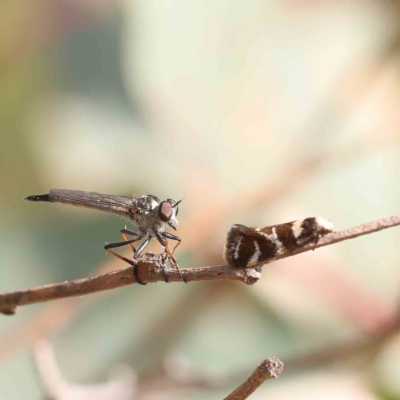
[{"x": 122, "y": 205}]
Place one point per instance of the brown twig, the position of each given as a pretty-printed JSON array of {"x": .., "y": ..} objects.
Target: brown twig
[
  {"x": 267, "y": 369},
  {"x": 150, "y": 271}
]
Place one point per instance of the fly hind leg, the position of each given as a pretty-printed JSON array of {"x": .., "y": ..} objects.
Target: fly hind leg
[{"x": 125, "y": 233}]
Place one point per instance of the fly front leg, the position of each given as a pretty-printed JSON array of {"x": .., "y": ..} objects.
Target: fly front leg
[
  {"x": 172, "y": 237},
  {"x": 168, "y": 251}
]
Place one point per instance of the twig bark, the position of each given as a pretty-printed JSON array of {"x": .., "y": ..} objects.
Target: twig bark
[
  {"x": 267, "y": 369},
  {"x": 150, "y": 271}
]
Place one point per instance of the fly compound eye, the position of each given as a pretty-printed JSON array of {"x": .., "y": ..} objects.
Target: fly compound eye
[
  {"x": 165, "y": 211},
  {"x": 174, "y": 205}
]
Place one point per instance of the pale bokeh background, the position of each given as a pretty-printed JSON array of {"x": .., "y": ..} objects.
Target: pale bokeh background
[{"x": 254, "y": 112}]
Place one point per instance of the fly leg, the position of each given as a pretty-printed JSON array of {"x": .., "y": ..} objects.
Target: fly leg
[
  {"x": 173, "y": 237},
  {"x": 162, "y": 261},
  {"x": 142, "y": 246},
  {"x": 110, "y": 246},
  {"x": 137, "y": 256},
  {"x": 171, "y": 257},
  {"x": 124, "y": 233}
]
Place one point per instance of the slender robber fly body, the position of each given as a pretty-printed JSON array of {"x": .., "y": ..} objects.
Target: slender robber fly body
[{"x": 150, "y": 215}]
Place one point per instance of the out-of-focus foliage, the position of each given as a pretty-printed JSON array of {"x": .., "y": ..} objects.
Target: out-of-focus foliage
[{"x": 253, "y": 112}]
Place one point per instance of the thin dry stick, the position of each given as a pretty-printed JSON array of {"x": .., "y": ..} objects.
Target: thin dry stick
[
  {"x": 150, "y": 271},
  {"x": 270, "y": 368}
]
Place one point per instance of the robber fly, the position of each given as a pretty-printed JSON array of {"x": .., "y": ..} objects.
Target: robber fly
[{"x": 150, "y": 215}]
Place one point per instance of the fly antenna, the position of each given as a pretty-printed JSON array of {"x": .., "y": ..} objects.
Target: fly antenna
[{"x": 177, "y": 203}]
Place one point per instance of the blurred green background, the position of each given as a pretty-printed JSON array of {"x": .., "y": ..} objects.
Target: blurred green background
[{"x": 256, "y": 113}]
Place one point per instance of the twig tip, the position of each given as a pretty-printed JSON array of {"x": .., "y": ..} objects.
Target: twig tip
[{"x": 274, "y": 366}]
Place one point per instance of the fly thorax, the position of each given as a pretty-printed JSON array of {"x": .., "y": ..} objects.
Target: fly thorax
[{"x": 148, "y": 220}]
